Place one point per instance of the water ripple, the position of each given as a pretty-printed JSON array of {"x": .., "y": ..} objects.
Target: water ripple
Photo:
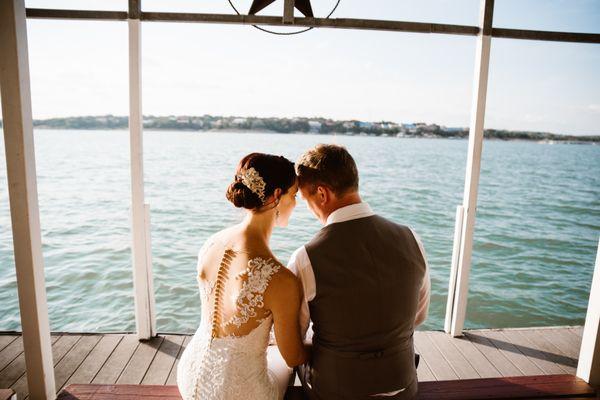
[{"x": 535, "y": 241}]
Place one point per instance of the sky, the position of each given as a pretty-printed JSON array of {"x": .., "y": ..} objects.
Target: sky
[{"x": 81, "y": 67}]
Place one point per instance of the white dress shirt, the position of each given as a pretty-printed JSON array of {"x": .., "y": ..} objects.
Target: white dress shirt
[{"x": 300, "y": 265}]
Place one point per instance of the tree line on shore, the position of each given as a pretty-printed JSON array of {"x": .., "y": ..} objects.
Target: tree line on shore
[{"x": 297, "y": 125}]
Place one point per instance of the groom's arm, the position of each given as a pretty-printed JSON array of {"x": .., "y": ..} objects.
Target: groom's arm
[{"x": 299, "y": 264}]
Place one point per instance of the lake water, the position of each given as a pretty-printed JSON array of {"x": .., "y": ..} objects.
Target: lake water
[{"x": 536, "y": 233}]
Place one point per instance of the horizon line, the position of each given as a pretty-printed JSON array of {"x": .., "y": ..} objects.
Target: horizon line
[{"x": 309, "y": 118}]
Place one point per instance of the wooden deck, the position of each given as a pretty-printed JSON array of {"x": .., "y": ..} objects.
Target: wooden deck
[{"x": 121, "y": 358}]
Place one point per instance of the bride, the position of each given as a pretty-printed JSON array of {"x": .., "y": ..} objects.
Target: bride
[{"x": 245, "y": 292}]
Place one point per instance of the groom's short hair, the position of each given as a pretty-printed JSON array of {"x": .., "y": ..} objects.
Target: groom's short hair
[{"x": 328, "y": 165}]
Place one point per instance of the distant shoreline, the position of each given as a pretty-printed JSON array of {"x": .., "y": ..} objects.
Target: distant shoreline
[
  {"x": 209, "y": 123},
  {"x": 242, "y": 131}
]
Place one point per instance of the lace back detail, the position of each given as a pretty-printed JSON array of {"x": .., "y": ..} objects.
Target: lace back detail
[
  {"x": 258, "y": 275},
  {"x": 250, "y": 299}
]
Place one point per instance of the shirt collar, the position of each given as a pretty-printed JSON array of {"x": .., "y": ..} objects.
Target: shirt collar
[{"x": 347, "y": 213}]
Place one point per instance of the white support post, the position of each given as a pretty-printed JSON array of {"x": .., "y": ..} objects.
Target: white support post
[
  {"x": 149, "y": 269},
  {"x": 482, "y": 62},
  {"x": 142, "y": 271},
  {"x": 588, "y": 367},
  {"x": 460, "y": 212},
  {"x": 24, "y": 208}
]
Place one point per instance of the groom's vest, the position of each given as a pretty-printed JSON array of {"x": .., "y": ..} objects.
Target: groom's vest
[{"x": 368, "y": 273}]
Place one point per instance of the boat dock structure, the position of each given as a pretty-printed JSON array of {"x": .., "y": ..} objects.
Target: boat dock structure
[
  {"x": 38, "y": 363},
  {"x": 120, "y": 358}
]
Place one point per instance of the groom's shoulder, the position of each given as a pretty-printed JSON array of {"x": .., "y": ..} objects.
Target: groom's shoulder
[
  {"x": 390, "y": 222},
  {"x": 373, "y": 219},
  {"x": 378, "y": 226},
  {"x": 319, "y": 236},
  {"x": 349, "y": 228},
  {"x": 405, "y": 229}
]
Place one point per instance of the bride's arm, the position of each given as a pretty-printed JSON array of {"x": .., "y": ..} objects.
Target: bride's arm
[{"x": 283, "y": 298}]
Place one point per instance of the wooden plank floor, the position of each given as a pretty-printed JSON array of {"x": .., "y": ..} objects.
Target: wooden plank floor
[{"x": 121, "y": 358}]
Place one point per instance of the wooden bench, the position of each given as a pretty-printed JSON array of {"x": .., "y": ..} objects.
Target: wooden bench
[{"x": 523, "y": 387}]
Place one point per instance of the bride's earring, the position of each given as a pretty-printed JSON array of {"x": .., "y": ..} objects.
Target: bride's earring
[{"x": 276, "y": 210}]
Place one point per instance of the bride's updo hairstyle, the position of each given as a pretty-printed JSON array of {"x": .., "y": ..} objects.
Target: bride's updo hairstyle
[{"x": 275, "y": 171}]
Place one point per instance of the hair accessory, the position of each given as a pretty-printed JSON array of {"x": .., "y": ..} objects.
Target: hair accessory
[{"x": 253, "y": 181}]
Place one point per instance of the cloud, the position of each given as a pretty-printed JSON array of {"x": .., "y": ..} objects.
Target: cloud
[
  {"x": 535, "y": 118},
  {"x": 594, "y": 108}
]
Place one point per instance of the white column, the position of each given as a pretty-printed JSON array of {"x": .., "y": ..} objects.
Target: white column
[
  {"x": 458, "y": 224},
  {"x": 482, "y": 62},
  {"x": 588, "y": 367},
  {"x": 22, "y": 188},
  {"x": 142, "y": 270},
  {"x": 149, "y": 276}
]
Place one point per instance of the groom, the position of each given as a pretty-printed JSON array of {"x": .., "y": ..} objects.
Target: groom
[{"x": 366, "y": 287}]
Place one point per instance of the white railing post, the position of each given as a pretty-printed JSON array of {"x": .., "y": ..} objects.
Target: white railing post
[
  {"x": 588, "y": 367},
  {"x": 149, "y": 275},
  {"x": 482, "y": 62},
  {"x": 24, "y": 208},
  {"x": 142, "y": 271},
  {"x": 460, "y": 212}
]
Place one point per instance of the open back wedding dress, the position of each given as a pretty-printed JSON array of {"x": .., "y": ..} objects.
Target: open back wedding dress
[{"x": 227, "y": 357}]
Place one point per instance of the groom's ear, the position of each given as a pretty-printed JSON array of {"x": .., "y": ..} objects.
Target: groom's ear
[{"x": 323, "y": 195}]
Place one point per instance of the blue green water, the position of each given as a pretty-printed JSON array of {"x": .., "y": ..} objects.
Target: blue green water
[{"x": 536, "y": 233}]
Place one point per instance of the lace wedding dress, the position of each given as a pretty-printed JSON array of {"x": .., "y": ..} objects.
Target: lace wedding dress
[{"x": 227, "y": 356}]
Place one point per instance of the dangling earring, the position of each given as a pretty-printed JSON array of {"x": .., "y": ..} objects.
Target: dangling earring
[{"x": 277, "y": 210}]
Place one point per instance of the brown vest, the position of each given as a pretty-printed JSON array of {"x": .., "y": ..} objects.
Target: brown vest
[{"x": 368, "y": 273}]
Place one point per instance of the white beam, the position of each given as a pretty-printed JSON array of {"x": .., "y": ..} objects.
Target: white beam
[
  {"x": 142, "y": 272},
  {"x": 458, "y": 223},
  {"x": 149, "y": 276},
  {"x": 588, "y": 367},
  {"x": 482, "y": 62},
  {"x": 24, "y": 209}
]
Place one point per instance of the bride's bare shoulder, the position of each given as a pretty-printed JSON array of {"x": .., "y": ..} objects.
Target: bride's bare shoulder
[
  {"x": 226, "y": 233},
  {"x": 282, "y": 271},
  {"x": 283, "y": 282},
  {"x": 225, "y": 237}
]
